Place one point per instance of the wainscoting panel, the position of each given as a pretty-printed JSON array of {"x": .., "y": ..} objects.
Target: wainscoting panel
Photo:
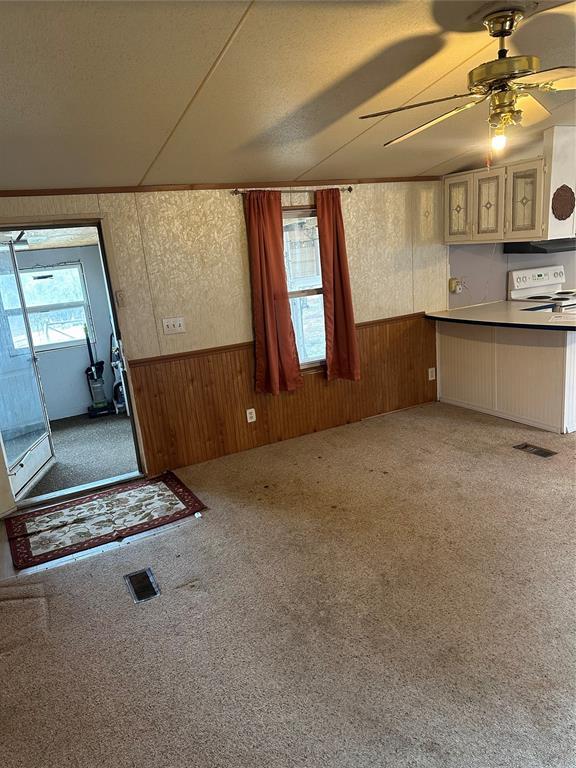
[{"x": 192, "y": 406}]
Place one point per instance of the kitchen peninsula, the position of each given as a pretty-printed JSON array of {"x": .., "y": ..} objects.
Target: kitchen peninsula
[{"x": 510, "y": 359}]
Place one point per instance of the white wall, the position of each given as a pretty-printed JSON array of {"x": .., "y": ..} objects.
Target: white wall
[
  {"x": 62, "y": 370},
  {"x": 484, "y": 270}
]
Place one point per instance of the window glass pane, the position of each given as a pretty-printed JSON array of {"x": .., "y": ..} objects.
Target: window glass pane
[
  {"x": 50, "y": 327},
  {"x": 308, "y": 321},
  {"x": 302, "y": 253},
  {"x": 9, "y": 292},
  {"x": 52, "y": 286},
  {"x": 18, "y": 331}
]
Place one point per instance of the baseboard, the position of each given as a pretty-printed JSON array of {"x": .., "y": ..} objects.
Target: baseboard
[{"x": 502, "y": 415}]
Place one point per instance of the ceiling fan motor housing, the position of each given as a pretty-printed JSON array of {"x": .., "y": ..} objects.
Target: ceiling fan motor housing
[{"x": 483, "y": 78}]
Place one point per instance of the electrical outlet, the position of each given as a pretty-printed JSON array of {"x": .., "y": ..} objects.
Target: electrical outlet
[
  {"x": 250, "y": 415},
  {"x": 173, "y": 325},
  {"x": 431, "y": 374},
  {"x": 455, "y": 285}
]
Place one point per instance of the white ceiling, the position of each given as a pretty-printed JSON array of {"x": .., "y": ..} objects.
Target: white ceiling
[{"x": 99, "y": 94}]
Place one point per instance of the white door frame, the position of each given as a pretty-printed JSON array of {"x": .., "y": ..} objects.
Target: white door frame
[{"x": 7, "y": 502}]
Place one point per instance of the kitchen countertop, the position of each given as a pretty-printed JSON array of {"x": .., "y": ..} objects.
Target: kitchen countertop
[{"x": 509, "y": 313}]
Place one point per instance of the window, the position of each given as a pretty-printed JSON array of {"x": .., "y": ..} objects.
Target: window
[
  {"x": 57, "y": 304},
  {"x": 304, "y": 277}
]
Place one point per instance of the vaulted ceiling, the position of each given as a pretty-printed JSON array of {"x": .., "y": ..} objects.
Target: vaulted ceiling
[{"x": 142, "y": 93}]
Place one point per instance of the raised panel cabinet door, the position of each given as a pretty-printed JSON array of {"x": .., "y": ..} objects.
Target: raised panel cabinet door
[
  {"x": 458, "y": 209},
  {"x": 523, "y": 219},
  {"x": 489, "y": 204}
]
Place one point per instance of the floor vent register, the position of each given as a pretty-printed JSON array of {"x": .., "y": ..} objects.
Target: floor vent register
[
  {"x": 142, "y": 585},
  {"x": 536, "y": 450}
]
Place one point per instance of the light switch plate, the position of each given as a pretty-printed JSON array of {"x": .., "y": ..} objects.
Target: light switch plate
[{"x": 173, "y": 325}]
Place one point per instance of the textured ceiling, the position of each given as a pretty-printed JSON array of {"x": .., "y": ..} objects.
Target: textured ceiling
[{"x": 127, "y": 93}]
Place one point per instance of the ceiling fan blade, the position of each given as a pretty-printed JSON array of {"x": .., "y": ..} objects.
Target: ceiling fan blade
[
  {"x": 556, "y": 76},
  {"x": 566, "y": 84},
  {"x": 532, "y": 111},
  {"x": 435, "y": 121},
  {"x": 413, "y": 106}
]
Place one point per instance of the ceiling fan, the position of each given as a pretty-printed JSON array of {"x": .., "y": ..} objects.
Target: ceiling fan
[{"x": 507, "y": 83}]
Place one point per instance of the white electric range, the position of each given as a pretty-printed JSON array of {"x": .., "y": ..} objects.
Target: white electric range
[{"x": 544, "y": 286}]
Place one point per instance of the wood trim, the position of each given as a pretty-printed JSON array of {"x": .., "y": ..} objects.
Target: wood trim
[
  {"x": 192, "y": 406},
  {"x": 205, "y": 186},
  {"x": 139, "y": 361}
]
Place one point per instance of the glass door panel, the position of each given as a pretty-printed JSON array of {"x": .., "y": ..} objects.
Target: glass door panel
[{"x": 24, "y": 427}]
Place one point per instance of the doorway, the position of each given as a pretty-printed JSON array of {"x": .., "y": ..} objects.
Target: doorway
[{"x": 66, "y": 423}]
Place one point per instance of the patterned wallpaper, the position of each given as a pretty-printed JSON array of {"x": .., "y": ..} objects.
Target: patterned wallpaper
[
  {"x": 195, "y": 250},
  {"x": 184, "y": 253},
  {"x": 196, "y": 253}
]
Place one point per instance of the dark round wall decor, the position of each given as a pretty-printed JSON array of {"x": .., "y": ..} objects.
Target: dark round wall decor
[{"x": 563, "y": 202}]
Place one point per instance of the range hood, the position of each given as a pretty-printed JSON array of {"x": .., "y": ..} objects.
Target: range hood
[{"x": 559, "y": 245}]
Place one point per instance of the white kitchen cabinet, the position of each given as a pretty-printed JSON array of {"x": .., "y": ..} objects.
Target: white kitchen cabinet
[
  {"x": 495, "y": 204},
  {"x": 458, "y": 208},
  {"x": 474, "y": 206},
  {"x": 523, "y": 213},
  {"x": 488, "y": 201}
]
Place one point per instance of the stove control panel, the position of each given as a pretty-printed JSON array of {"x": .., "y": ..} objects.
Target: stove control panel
[{"x": 535, "y": 278}]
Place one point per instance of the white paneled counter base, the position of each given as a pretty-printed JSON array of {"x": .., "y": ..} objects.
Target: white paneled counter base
[{"x": 526, "y": 374}]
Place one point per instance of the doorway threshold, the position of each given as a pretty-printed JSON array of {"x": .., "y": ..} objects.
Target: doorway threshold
[{"x": 78, "y": 490}]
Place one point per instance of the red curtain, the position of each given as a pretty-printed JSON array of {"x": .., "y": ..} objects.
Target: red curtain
[
  {"x": 342, "y": 358},
  {"x": 277, "y": 364}
]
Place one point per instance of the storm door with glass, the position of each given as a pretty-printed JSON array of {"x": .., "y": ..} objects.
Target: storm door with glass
[{"x": 24, "y": 426}]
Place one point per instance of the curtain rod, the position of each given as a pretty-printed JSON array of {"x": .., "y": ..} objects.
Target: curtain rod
[{"x": 287, "y": 190}]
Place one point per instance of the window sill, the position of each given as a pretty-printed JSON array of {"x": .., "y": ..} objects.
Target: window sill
[{"x": 315, "y": 367}]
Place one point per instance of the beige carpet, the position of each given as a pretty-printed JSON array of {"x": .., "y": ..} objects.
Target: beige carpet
[{"x": 392, "y": 594}]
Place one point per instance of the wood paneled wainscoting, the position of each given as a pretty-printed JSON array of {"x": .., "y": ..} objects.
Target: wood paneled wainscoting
[{"x": 192, "y": 406}]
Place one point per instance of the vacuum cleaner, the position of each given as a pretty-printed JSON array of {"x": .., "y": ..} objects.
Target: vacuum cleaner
[
  {"x": 118, "y": 399},
  {"x": 95, "y": 377}
]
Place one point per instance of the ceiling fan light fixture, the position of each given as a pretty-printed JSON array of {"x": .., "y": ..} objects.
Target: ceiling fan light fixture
[{"x": 499, "y": 140}]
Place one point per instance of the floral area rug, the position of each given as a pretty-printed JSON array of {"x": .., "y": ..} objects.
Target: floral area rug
[{"x": 45, "y": 534}]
